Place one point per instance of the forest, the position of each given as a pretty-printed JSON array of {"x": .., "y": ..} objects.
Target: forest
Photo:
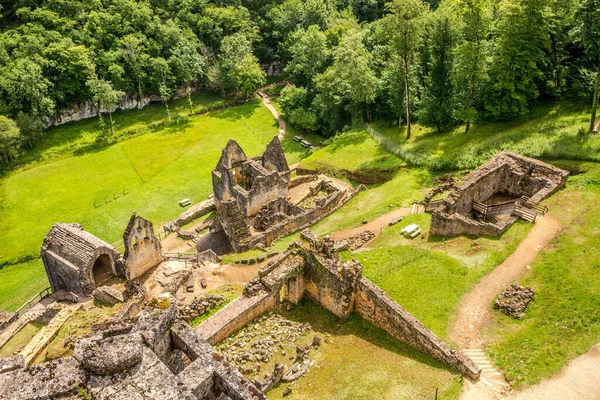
[{"x": 442, "y": 63}]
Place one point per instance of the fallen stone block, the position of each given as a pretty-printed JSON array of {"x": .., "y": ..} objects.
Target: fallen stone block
[
  {"x": 111, "y": 355},
  {"x": 108, "y": 295}
]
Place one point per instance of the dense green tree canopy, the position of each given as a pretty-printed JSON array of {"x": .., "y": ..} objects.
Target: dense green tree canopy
[{"x": 441, "y": 62}]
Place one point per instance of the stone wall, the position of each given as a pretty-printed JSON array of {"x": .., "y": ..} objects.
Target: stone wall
[
  {"x": 313, "y": 270},
  {"x": 331, "y": 284},
  {"x": 192, "y": 213},
  {"x": 506, "y": 173},
  {"x": 142, "y": 247},
  {"x": 456, "y": 224},
  {"x": 235, "y": 315},
  {"x": 375, "y": 306}
]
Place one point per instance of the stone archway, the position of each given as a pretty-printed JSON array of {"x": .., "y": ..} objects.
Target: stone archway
[{"x": 103, "y": 269}]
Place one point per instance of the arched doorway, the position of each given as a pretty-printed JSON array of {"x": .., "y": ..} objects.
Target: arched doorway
[{"x": 102, "y": 269}]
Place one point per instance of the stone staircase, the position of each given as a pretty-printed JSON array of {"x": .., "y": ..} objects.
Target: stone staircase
[{"x": 491, "y": 377}]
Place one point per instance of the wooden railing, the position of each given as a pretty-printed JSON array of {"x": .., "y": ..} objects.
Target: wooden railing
[{"x": 34, "y": 300}]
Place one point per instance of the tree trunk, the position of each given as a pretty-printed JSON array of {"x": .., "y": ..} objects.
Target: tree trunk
[
  {"x": 468, "y": 126},
  {"x": 112, "y": 132},
  {"x": 168, "y": 111},
  {"x": 189, "y": 96},
  {"x": 595, "y": 99},
  {"x": 407, "y": 89},
  {"x": 556, "y": 66},
  {"x": 140, "y": 105}
]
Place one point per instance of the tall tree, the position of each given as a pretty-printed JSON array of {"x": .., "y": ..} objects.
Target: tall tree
[
  {"x": 188, "y": 64},
  {"x": 519, "y": 57},
  {"x": 106, "y": 97},
  {"x": 132, "y": 50},
  {"x": 9, "y": 139},
  {"x": 589, "y": 33},
  {"x": 402, "y": 28},
  {"x": 238, "y": 67},
  {"x": 438, "y": 103},
  {"x": 470, "y": 57},
  {"x": 309, "y": 55},
  {"x": 350, "y": 81}
]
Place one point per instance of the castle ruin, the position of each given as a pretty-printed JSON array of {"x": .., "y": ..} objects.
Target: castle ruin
[{"x": 508, "y": 187}]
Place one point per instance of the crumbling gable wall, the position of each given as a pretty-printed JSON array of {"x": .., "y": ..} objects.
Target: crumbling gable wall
[
  {"x": 252, "y": 182},
  {"x": 69, "y": 254},
  {"x": 142, "y": 247}
]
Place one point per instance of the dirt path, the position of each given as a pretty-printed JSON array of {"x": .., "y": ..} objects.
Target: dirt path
[
  {"x": 580, "y": 379},
  {"x": 474, "y": 308},
  {"x": 280, "y": 120},
  {"x": 376, "y": 226}
]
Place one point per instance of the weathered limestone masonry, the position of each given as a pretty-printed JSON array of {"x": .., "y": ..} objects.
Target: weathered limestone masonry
[
  {"x": 70, "y": 256},
  {"x": 77, "y": 261},
  {"x": 251, "y": 182},
  {"x": 508, "y": 175},
  {"x": 89, "y": 109},
  {"x": 122, "y": 361},
  {"x": 142, "y": 247},
  {"x": 190, "y": 214},
  {"x": 251, "y": 197},
  {"x": 313, "y": 269}
]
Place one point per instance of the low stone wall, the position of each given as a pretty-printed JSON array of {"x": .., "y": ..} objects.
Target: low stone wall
[
  {"x": 235, "y": 315},
  {"x": 192, "y": 213},
  {"x": 457, "y": 224},
  {"x": 299, "y": 180},
  {"x": 375, "y": 306}
]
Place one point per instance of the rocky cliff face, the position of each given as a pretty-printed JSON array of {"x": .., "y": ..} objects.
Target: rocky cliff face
[{"x": 88, "y": 109}]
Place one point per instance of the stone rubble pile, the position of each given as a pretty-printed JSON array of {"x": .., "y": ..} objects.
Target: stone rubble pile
[
  {"x": 264, "y": 339},
  {"x": 200, "y": 305},
  {"x": 354, "y": 242},
  {"x": 514, "y": 300}
]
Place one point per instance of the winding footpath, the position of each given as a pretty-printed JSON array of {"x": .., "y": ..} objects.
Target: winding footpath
[{"x": 280, "y": 120}]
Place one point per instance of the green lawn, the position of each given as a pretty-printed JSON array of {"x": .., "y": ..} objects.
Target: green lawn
[
  {"x": 563, "y": 321},
  {"x": 356, "y": 156},
  {"x": 364, "y": 362},
  {"x": 19, "y": 283},
  {"x": 552, "y": 131}
]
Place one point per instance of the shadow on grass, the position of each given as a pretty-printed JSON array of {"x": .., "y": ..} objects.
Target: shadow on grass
[
  {"x": 233, "y": 114},
  {"x": 323, "y": 322}
]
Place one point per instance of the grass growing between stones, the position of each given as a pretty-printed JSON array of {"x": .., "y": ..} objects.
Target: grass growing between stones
[
  {"x": 76, "y": 327},
  {"x": 229, "y": 292},
  {"x": 20, "y": 340},
  {"x": 359, "y": 361},
  {"x": 563, "y": 320}
]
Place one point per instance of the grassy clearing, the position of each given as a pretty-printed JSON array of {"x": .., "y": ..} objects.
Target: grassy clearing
[
  {"x": 229, "y": 292},
  {"x": 19, "y": 283},
  {"x": 363, "y": 362},
  {"x": 78, "y": 137},
  {"x": 563, "y": 321},
  {"x": 356, "y": 156},
  {"x": 552, "y": 131},
  {"x": 428, "y": 276}
]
